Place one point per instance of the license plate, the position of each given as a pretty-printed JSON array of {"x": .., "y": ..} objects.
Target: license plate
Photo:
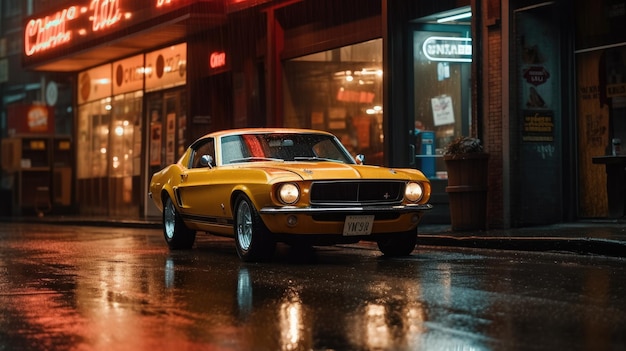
[{"x": 358, "y": 225}]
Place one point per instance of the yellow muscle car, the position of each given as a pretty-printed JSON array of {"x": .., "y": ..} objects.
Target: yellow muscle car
[{"x": 263, "y": 186}]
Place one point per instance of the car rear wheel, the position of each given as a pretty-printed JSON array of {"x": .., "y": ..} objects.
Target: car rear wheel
[
  {"x": 398, "y": 244},
  {"x": 177, "y": 235},
  {"x": 253, "y": 240}
]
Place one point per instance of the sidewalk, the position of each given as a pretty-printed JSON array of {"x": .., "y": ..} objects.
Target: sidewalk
[{"x": 597, "y": 237}]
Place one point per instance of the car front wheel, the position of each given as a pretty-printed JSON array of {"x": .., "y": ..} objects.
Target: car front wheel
[
  {"x": 398, "y": 244},
  {"x": 177, "y": 235},
  {"x": 253, "y": 240}
]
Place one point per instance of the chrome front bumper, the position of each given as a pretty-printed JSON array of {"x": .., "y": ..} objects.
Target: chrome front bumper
[{"x": 346, "y": 210}]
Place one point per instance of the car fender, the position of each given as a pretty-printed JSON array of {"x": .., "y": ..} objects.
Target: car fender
[
  {"x": 258, "y": 199},
  {"x": 164, "y": 183},
  {"x": 259, "y": 190}
]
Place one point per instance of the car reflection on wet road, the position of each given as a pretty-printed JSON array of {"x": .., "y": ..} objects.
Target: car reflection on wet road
[{"x": 87, "y": 288}]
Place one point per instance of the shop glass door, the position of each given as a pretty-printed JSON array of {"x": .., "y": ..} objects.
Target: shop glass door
[
  {"x": 441, "y": 93},
  {"x": 165, "y": 135},
  {"x": 125, "y": 154},
  {"x": 92, "y": 161}
]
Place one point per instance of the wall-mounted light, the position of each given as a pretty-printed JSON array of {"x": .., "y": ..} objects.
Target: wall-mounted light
[{"x": 455, "y": 17}]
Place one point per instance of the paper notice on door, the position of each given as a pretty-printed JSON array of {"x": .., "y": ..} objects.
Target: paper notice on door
[{"x": 442, "y": 110}]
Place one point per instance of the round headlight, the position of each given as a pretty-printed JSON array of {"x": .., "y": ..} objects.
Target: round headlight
[
  {"x": 413, "y": 191},
  {"x": 289, "y": 193}
]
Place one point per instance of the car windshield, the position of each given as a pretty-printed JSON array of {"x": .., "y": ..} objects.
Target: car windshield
[{"x": 283, "y": 147}]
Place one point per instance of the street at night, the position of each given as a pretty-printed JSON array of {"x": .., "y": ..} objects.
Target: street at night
[
  {"x": 491, "y": 129},
  {"x": 112, "y": 288}
]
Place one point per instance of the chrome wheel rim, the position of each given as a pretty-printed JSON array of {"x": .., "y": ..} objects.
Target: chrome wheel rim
[
  {"x": 244, "y": 225},
  {"x": 169, "y": 219}
]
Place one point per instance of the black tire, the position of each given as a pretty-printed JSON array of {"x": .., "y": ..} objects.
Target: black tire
[
  {"x": 177, "y": 235},
  {"x": 398, "y": 244},
  {"x": 253, "y": 240}
]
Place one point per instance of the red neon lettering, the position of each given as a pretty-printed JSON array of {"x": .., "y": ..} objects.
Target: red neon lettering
[
  {"x": 161, "y": 3},
  {"x": 48, "y": 32},
  {"x": 105, "y": 13},
  {"x": 217, "y": 59}
]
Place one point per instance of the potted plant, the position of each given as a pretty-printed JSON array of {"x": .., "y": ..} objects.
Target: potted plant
[
  {"x": 467, "y": 166},
  {"x": 462, "y": 146}
]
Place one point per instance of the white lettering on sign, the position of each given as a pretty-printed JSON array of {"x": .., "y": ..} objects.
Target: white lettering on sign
[
  {"x": 217, "y": 59},
  {"x": 448, "y": 49},
  {"x": 48, "y": 32},
  {"x": 536, "y": 75}
]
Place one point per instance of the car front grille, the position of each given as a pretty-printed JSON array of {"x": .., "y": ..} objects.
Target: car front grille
[{"x": 356, "y": 192}]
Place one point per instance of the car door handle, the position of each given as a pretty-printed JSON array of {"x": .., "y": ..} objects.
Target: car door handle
[{"x": 183, "y": 177}]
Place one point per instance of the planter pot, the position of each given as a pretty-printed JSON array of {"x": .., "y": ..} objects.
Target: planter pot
[{"x": 467, "y": 190}]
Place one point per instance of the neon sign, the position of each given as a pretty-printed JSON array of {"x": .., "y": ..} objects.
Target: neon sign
[
  {"x": 217, "y": 59},
  {"x": 105, "y": 13},
  {"x": 448, "y": 49},
  {"x": 161, "y": 3},
  {"x": 48, "y": 32},
  {"x": 88, "y": 19}
]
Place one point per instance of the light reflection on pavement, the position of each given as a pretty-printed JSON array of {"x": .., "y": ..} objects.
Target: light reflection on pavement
[{"x": 75, "y": 288}]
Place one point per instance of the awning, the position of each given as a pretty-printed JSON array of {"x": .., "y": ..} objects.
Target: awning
[{"x": 139, "y": 36}]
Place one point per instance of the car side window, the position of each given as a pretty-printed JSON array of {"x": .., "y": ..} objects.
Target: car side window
[{"x": 206, "y": 148}]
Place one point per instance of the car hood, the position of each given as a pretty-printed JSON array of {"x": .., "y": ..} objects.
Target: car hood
[{"x": 332, "y": 170}]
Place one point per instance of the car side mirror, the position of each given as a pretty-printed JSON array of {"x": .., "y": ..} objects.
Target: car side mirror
[
  {"x": 206, "y": 161},
  {"x": 360, "y": 159}
]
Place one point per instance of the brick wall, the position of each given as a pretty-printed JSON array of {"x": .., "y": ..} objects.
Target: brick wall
[{"x": 492, "y": 124}]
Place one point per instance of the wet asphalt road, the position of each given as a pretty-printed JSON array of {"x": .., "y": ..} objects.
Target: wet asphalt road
[{"x": 88, "y": 288}]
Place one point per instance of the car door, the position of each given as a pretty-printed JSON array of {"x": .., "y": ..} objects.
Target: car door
[{"x": 197, "y": 181}]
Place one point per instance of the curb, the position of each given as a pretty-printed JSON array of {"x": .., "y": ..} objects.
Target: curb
[
  {"x": 583, "y": 246},
  {"x": 137, "y": 224}
]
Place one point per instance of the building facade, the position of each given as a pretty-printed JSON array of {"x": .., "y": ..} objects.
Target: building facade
[{"x": 395, "y": 80}]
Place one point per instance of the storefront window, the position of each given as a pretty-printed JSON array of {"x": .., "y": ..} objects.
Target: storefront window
[
  {"x": 126, "y": 137},
  {"x": 110, "y": 136},
  {"x": 340, "y": 91},
  {"x": 109, "y": 153},
  {"x": 93, "y": 134}
]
